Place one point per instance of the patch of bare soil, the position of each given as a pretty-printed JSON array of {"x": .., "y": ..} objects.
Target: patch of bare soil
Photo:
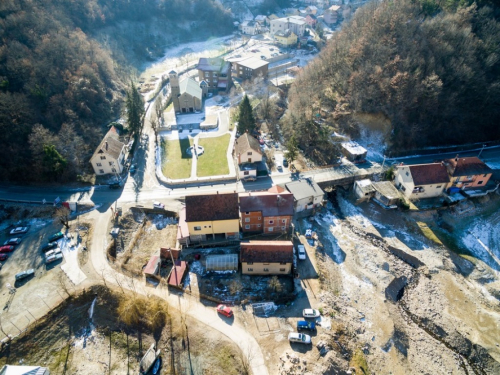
[{"x": 66, "y": 341}]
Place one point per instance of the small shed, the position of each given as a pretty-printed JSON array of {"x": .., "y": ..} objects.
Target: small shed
[
  {"x": 177, "y": 273},
  {"x": 153, "y": 266},
  {"x": 354, "y": 152},
  {"x": 386, "y": 194},
  {"x": 225, "y": 262},
  {"x": 364, "y": 189}
]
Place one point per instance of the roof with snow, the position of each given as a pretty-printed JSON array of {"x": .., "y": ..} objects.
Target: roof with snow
[
  {"x": 24, "y": 370},
  {"x": 354, "y": 148},
  {"x": 253, "y": 63},
  {"x": 213, "y": 64}
]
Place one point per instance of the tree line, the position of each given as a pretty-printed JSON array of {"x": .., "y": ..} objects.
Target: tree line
[
  {"x": 431, "y": 67},
  {"x": 61, "y": 82}
]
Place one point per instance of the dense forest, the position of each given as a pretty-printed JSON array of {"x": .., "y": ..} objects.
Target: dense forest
[
  {"x": 64, "y": 67},
  {"x": 432, "y": 71}
]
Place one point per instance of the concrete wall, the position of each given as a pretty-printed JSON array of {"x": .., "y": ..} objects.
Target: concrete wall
[{"x": 260, "y": 268}]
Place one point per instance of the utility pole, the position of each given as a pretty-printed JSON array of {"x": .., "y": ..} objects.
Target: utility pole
[{"x": 481, "y": 150}]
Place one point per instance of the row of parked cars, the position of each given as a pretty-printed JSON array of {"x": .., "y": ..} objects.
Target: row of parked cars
[{"x": 307, "y": 325}]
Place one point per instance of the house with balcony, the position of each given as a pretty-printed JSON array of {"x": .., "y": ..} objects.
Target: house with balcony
[
  {"x": 216, "y": 72},
  {"x": 422, "y": 180},
  {"x": 467, "y": 173},
  {"x": 211, "y": 217},
  {"x": 266, "y": 212},
  {"x": 266, "y": 257},
  {"x": 109, "y": 157}
]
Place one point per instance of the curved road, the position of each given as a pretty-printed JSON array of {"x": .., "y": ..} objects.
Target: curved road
[{"x": 185, "y": 303}]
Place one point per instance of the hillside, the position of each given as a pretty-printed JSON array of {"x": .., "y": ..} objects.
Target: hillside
[
  {"x": 432, "y": 73},
  {"x": 63, "y": 65}
]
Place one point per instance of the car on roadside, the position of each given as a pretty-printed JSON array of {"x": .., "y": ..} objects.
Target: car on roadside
[
  {"x": 53, "y": 258},
  {"x": 3, "y": 256},
  {"x": 249, "y": 178},
  {"x": 301, "y": 252},
  {"x": 225, "y": 310},
  {"x": 279, "y": 168},
  {"x": 13, "y": 241},
  {"x": 300, "y": 338},
  {"x": 115, "y": 185},
  {"x": 304, "y": 325},
  {"x": 56, "y": 236},
  {"x": 158, "y": 205},
  {"x": 133, "y": 168},
  {"x": 310, "y": 313},
  {"x": 24, "y": 274},
  {"x": 308, "y": 233},
  {"x": 285, "y": 163},
  {"x": 19, "y": 230},
  {"x": 6, "y": 249},
  {"x": 49, "y": 246}
]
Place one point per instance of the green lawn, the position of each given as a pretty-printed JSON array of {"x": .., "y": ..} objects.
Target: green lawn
[
  {"x": 214, "y": 161},
  {"x": 176, "y": 163}
]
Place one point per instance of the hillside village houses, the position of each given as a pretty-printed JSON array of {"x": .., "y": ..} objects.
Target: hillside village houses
[
  {"x": 311, "y": 20},
  {"x": 109, "y": 157},
  {"x": 422, "y": 180},
  {"x": 248, "y": 154},
  {"x": 296, "y": 24},
  {"x": 285, "y": 38},
  {"x": 332, "y": 15},
  {"x": 250, "y": 27}
]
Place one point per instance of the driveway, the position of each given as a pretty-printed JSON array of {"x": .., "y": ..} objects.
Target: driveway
[{"x": 195, "y": 309}]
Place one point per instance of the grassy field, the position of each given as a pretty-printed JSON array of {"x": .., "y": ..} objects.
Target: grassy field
[
  {"x": 214, "y": 161},
  {"x": 176, "y": 163}
]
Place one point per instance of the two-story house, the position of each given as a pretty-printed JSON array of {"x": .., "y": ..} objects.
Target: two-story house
[
  {"x": 311, "y": 20},
  {"x": 421, "y": 180},
  {"x": 216, "y": 72},
  {"x": 266, "y": 257},
  {"x": 285, "y": 38},
  {"x": 266, "y": 212},
  {"x": 109, "y": 157},
  {"x": 296, "y": 24},
  {"x": 248, "y": 153},
  {"x": 250, "y": 27},
  {"x": 307, "y": 196},
  {"x": 211, "y": 217},
  {"x": 467, "y": 173},
  {"x": 250, "y": 68}
]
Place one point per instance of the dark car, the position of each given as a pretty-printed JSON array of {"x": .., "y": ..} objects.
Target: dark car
[
  {"x": 133, "y": 168},
  {"x": 6, "y": 249},
  {"x": 25, "y": 274},
  {"x": 306, "y": 326},
  {"x": 115, "y": 185},
  {"x": 3, "y": 256},
  {"x": 285, "y": 163},
  {"x": 13, "y": 241},
  {"x": 56, "y": 236},
  {"x": 49, "y": 246}
]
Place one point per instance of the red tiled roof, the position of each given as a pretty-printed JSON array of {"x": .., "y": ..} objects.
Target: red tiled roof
[
  {"x": 469, "y": 166},
  {"x": 270, "y": 204},
  {"x": 428, "y": 174},
  {"x": 266, "y": 251},
  {"x": 212, "y": 207},
  {"x": 168, "y": 254},
  {"x": 177, "y": 273}
]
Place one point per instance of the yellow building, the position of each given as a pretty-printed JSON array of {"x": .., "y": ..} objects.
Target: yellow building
[
  {"x": 285, "y": 38},
  {"x": 266, "y": 257},
  {"x": 212, "y": 217}
]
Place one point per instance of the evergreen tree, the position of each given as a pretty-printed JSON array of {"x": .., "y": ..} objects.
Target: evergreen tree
[
  {"x": 135, "y": 110},
  {"x": 292, "y": 147},
  {"x": 246, "y": 121},
  {"x": 53, "y": 162}
]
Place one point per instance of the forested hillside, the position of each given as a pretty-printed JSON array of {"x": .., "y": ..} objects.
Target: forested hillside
[
  {"x": 433, "y": 72},
  {"x": 63, "y": 65}
]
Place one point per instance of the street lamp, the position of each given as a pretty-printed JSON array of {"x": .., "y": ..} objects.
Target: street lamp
[{"x": 481, "y": 150}]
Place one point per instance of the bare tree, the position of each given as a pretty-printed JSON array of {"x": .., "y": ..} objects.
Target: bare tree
[
  {"x": 63, "y": 215},
  {"x": 274, "y": 284}
]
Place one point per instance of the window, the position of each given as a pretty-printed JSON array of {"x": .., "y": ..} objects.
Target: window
[
  {"x": 250, "y": 269},
  {"x": 283, "y": 221},
  {"x": 480, "y": 183},
  {"x": 438, "y": 187},
  {"x": 282, "y": 263},
  {"x": 271, "y": 221},
  {"x": 249, "y": 263},
  {"x": 110, "y": 163},
  {"x": 113, "y": 170},
  {"x": 103, "y": 157},
  {"x": 247, "y": 220},
  {"x": 247, "y": 226},
  {"x": 266, "y": 269},
  {"x": 101, "y": 171},
  {"x": 98, "y": 164},
  {"x": 283, "y": 228},
  {"x": 197, "y": 228},
  {"x": 246, "y": 173},
  {"x": 407, "y": 174},
  {"x": 247, "y": 213},
  {"x": 270, "y": 229},
  {"x": 249, "y": 153},
  {"x": 260, "y": 218},
  {"x": 258, "y": 225},
  {"x": 282, "y": 269},
  {"x": 403, "y": 188}
]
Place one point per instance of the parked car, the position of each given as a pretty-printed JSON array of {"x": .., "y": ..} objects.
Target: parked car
[
  {"x": 225, "y": 310},
  {"x": 25, "y": 274},
  {"x": 285, "y": 163},
  {"x": 13, "y": 241},
  {"x": 133, "y": 168},
  {"x": 158, "y": 205},
  {"x": 301, "y": 252},
  {"x": 3, "y": 256},
  {"x": 56, "y": 236},
  {"x": 249, "y": 178},
  {"x": 279, "y": 168},
  {"x": 299, "y": 337},
  {"x": 261, "y": 141},
  {"x": 310, "y": 313},
  {"x": 19, "y": 230},
  {"x": 6, "y": 249},
  {"x": 308, "y": 233},
  {"x": 115, "y": 185},
  {"x": 49, "y": 246},
  {"x": 305, "y": 325}
]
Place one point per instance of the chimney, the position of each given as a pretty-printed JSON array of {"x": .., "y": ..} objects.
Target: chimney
[
  {"x": 456, "y": 158},
  {"x": 106, "y": 145}
]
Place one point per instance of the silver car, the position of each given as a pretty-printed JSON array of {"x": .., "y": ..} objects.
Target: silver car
[
  {"x": 25, "y": 274},
  {"x": 301, "y": 338}
]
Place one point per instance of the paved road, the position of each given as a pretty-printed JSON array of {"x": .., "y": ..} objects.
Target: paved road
[{"x": 185, "y": 303}]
